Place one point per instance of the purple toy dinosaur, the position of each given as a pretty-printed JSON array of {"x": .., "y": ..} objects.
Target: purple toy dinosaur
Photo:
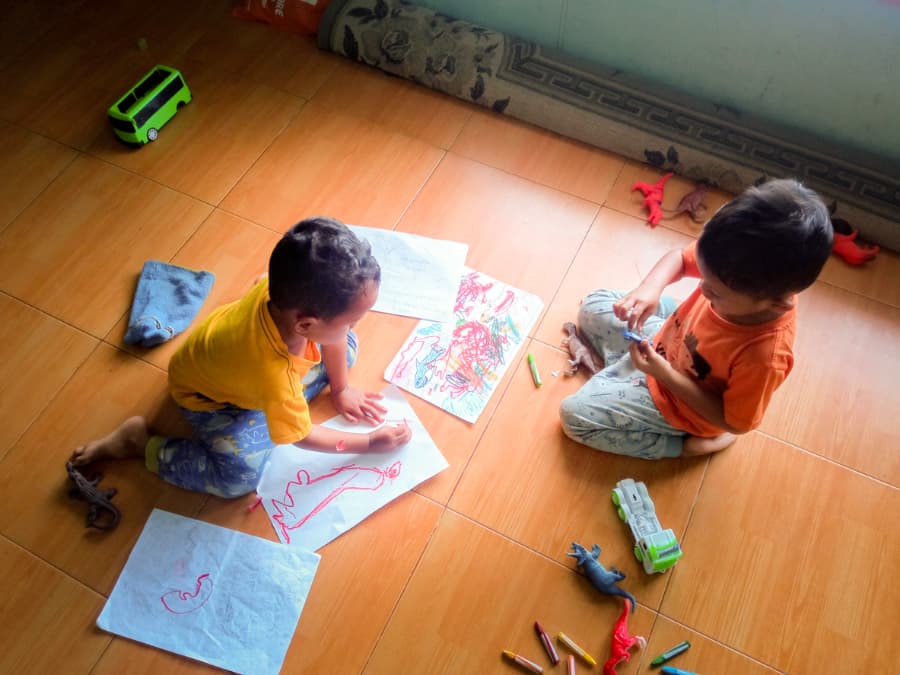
[{"x": 604, "y": 580}]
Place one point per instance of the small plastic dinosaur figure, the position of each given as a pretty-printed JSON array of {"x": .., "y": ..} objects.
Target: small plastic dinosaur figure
[
  {"x": 653, "y": 197},
  {"x": 691, "y": 204},
  {"x": 622, "y": 643},
  {"x": 579, "y": 352},
  {"x": 99, "y": 500},
  {"x": 604, "y": 580}
]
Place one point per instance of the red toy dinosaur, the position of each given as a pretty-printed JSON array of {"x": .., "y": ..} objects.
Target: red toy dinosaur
[
  {"x": 653, "y": 197},
  {"x": 622, "y": 643},
  {"x": 845, "y": 245}
]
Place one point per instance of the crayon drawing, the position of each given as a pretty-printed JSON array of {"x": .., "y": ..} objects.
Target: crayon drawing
[
  {"x": 311, "y": 497},
  {"x": 457, "y": 366},
  {"x": 182, "y": 602},
  {"x": 336, "y": 482},
  {"x": 210, "y": 593}
]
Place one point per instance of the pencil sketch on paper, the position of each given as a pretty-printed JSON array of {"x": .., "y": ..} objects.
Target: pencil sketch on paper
[
  {"x": 340, "y": 480},
  {"x": 457, "y": 366},
  {"x": 184, "y": 602},
  {"x": 419, "y": 275}
]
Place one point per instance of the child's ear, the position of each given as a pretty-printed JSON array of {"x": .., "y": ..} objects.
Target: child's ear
[
  {"x": 783, "y": 303},
  {"x": 304, "y": 324}
]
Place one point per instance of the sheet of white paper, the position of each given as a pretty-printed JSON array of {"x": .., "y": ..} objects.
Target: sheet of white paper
[
  {"x": 419, "y": 275},
  {"x": 209, "y": 593},
  {"x": 313, "y": 497},
  {"x": 457, "y": 366}
]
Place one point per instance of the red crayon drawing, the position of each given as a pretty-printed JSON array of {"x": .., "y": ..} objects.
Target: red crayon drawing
[
  {"x": 350, "y": 477},
  {"x": 183, "y": 602}
]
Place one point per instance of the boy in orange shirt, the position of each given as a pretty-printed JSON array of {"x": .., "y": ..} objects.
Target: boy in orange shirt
[
  {"x": 714, "y": 361},
  {"x": 244, "y": 375}
]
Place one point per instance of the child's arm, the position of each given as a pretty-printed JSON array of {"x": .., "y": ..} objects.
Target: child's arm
[
  {"x": 386, "y": 438},
  {"x": 706, "y": 403},
  {"x": 640, "y": 303},
  {"x": 353, "y": 404}
]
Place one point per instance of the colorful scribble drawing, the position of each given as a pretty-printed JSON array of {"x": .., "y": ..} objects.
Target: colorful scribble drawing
[
  {"x": 457, "y": 366},
  {"x": 183, "y": 602},
  {"x": 346, "y": 478}
]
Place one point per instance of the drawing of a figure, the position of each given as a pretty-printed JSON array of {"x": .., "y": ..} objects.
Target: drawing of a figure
[{"x": 292, "y": 513}]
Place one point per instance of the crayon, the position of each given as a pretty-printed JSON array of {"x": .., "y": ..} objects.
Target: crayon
[
  {"x": 567, "y": 641},
  {"x": 534, "y": 371},
  {"x": 570, "y": 665},
  {"x": 669, "y": 670},
  {"x": 522, "y": 661},
  {"x": 669, "y": 653},
  {"x": 545, "y": 640}
]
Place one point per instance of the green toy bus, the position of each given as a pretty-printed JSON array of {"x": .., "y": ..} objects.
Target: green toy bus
[{"x": 138, "y": 116}]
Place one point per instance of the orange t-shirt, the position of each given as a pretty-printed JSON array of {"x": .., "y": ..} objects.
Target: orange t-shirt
[
  {"x": 742, "y": 364},
  {"x": 236, "y": 355}
]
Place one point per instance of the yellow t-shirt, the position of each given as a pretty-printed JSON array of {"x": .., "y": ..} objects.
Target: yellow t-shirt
[{"x": 236, "y": 355}]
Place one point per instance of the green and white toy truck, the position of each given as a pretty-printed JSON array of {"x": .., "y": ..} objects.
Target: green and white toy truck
[
  {"x": 141, "y": 112},
  {"x": 655, "y": 548}
]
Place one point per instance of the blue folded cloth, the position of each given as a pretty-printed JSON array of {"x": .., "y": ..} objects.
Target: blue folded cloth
[{"x": 167, "y": 299}]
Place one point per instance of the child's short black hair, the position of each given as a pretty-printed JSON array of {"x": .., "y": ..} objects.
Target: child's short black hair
[
  {"x": 319, "y": 268},
  {"x": 770, "y": 241}
]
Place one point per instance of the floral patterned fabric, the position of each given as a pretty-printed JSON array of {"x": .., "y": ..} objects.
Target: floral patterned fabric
[{"x": 616, "y": 111}]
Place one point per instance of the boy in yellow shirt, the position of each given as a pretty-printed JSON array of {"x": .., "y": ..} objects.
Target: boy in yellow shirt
[{"x": 244, "y": 375}]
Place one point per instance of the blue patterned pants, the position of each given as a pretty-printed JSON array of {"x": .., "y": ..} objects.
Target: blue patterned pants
[
  {"x": 614, "y": 410},
  {"x": 231, "y": 447}
]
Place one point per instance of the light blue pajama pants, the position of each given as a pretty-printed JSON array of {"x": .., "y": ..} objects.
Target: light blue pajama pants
[
  {"x": 231, "y": 447},
  {"x": 614, "y": 410}
]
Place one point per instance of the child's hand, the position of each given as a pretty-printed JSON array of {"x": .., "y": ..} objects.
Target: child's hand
[
  {"x": 636, "y": 307},
  {"x": 388, "y": 437},
  {"x": 357, "y": 406},
  {"x": 645, "y": 359}
]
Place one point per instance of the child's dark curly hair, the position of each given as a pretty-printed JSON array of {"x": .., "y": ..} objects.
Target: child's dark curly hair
[
  {"x": 319, "y": 268},
  {"x": 768, "y": 242}
]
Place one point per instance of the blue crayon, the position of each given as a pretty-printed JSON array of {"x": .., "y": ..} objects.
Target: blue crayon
[
  {"x": 669, "y": 670},
  {"x": 635, "y": 337}
]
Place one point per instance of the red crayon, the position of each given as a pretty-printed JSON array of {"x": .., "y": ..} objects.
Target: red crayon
[
  {"x": 545, "y": 640},
  {"x": 570, "y": 665}
]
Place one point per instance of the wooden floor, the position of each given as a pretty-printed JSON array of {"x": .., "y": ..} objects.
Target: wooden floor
[{"x": 791, "y": 537}]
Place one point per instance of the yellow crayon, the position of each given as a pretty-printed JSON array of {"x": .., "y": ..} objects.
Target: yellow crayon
[
  {"x": 567, "y": 641},
  {"x": 522, "y": 661}
]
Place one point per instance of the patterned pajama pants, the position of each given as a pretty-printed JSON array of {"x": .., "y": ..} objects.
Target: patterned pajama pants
[
  {"x": 614, "y": 410},
  {"x": 231, "y": 447}
]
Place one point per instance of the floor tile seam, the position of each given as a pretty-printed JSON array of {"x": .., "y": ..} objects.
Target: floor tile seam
[
  {"x": 721, "y": 643},
  {"x": 44, "y": 189},
  {"x": 386, "y": 126},
  {"x": 477, "y": 443},
  {"x": 48, "y": 402},
  {"x": 119, "y": 348},
  {"x": 151, "y": 179},
  {"x": 829, "y": 460},
  {"x": 687, "y": 524},
  {"x": 858, "y": 294},
  {"x": 562, "y": 279},
  {"x": 48, "y": 314},
  {"x": 420, "y": 189},
  {"x": 529, "y": 180},
  {"x": 52, "y": 566},
  {"x": 528, "y": 548},
  {"x": 409, "y": 578},
  {"x": 275, "y": 137}
]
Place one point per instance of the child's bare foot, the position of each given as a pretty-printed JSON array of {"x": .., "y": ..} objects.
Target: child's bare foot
[
  {"x": 695, "y": 445},
  {"x": 128, "y": 440}
]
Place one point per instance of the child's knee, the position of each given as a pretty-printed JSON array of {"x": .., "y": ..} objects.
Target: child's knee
[{"x": 596, "y": 316}]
